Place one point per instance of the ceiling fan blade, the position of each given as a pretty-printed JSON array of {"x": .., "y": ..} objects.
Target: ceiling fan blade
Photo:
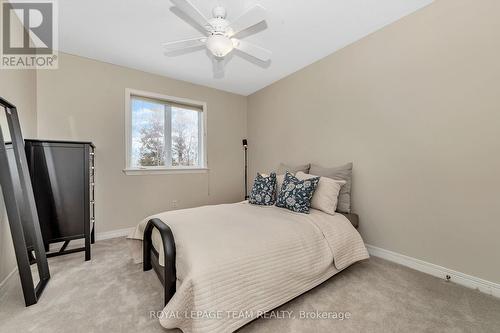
[
  {"x": 252, "y": 17},
  {"x": 252, "y": 49},
  {"x": 190, "y": 10},
  {"x": 184, "y": 44}
]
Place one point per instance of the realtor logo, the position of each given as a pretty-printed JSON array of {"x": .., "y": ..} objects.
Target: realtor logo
[{"x": 29, "y": 34}]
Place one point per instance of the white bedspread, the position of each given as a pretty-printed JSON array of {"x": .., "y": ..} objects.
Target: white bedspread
[{"x": 240, "y": 258}]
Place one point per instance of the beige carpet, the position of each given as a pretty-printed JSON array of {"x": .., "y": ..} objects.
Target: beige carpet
[{"x": 111, "y": 294}]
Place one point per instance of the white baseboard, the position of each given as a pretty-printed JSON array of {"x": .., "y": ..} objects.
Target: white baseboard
[
  {"x": 6, "y": 279},
  {"x": 113, "y": 234},
  {"x": 469, "y": 281}
]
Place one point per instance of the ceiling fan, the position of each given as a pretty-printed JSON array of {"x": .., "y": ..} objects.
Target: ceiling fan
[{"x": 220, "y": 33}]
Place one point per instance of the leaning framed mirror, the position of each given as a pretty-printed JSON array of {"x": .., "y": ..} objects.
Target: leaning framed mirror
[{"x": 20, "y": 206}]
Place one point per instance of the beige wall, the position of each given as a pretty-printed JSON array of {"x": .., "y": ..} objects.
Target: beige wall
[
  {"x": 85, "y": 100},
  {"x": 17, "y": 87},
  {"x": 416, "y": 107}
]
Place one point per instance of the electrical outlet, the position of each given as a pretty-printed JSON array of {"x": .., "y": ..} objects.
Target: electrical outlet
[{"x": 175, "y": 203}]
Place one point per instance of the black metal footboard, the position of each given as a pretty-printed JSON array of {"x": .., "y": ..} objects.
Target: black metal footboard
[{"x": 167, "y": 273}]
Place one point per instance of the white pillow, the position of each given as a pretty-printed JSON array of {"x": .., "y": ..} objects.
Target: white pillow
[{"x": 326, "y": 196}]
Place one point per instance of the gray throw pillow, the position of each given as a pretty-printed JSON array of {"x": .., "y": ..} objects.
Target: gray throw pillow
[
  {"x": 283, "y": 168},
  {"x": 343, "y": 172}
]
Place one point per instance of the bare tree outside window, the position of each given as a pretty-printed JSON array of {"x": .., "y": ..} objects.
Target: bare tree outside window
[
  {"x": 152, "y": 148},
  {"x": 148, "y": 133},
  {"x": 164, "y": 135},
  {"x": 184, "y": 137}
]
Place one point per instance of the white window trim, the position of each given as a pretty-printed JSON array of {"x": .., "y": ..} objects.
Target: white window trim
[{"x": 203, "y": 168}]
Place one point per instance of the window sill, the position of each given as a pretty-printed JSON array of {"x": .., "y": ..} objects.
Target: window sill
[{"x": 163, "y": 171}]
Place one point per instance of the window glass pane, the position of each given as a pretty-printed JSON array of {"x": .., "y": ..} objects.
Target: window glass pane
[
  {"x": 185, "y": 137},
  {"x": 148, "y": 133}
]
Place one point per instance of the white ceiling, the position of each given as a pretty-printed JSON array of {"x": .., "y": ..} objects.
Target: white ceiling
[{"x": 299, "y": 32}]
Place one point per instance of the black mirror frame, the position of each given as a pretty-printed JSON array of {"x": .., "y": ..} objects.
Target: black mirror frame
[{"x": 21, "y": 212}]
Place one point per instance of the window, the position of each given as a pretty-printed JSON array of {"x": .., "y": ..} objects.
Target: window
[{"x": 164, "y": 134}]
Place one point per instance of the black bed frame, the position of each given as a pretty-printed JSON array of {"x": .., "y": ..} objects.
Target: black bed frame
[{"x": 167, "y": 273}]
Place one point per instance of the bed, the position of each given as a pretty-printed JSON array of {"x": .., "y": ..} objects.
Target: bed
[{"x": 224, "y": 265}]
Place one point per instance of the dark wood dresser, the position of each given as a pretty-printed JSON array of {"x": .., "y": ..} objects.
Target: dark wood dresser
[{"x": 63, "y": 178}]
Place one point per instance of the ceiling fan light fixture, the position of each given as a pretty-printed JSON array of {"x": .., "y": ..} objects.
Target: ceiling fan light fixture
[
  {"x": 221, "y": 35},
  {"x": 219, "y": 45}
]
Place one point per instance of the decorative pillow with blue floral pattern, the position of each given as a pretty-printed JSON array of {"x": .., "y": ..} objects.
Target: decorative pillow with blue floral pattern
[
  {"x": 264, "y": 190},
  {"x": 296, "y": 194}
]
